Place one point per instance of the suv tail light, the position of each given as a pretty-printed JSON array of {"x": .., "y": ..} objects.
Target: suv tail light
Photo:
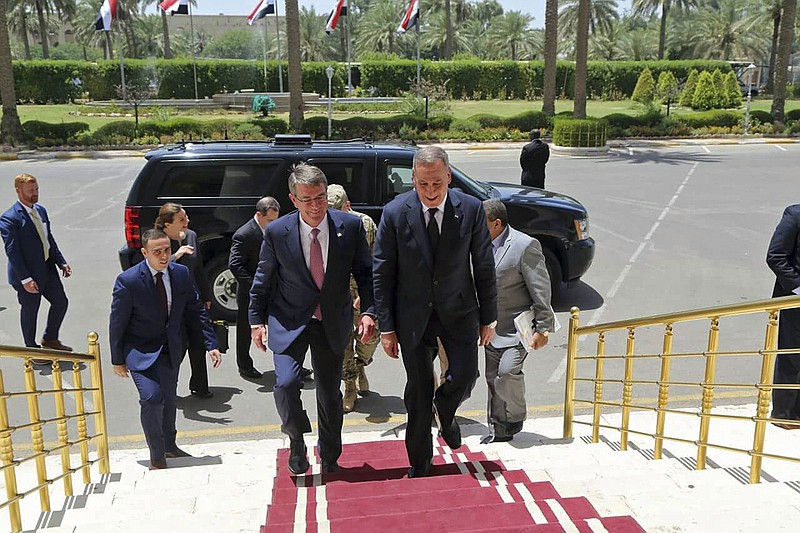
[{"x": 133, "y": 232}]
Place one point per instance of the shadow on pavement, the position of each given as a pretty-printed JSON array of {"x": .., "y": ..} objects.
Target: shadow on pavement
[
  {"x": 579, "y": 295},
  {"x": 186, "y": 462},
  {"x": 379, "y": 409},
  {"x": 193, "y": 408},
  {"x": 672, "y": 157}
]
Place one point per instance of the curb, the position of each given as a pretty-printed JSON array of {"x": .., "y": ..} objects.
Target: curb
[{"x": 593, "y": 151}]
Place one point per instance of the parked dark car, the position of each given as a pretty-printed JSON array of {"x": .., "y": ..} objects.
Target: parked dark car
[{"x": 219, "y": 182}]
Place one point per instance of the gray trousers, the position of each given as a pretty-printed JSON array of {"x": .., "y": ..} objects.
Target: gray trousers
[{"x": 506, "y": 381}]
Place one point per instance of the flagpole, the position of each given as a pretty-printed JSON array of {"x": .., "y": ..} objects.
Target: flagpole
[
  {"x": 266, "y": 86},
  {"x": 194, "y": 58},
  {"x": 121, "y": 59},
  {"x": 349, "y": 73},
  {"x": 278, "y": 34},
  {"x": 418, "y": 61}
]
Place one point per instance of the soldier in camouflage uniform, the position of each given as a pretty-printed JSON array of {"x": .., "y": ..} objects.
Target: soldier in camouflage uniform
[{"x": 353, "y": 373}]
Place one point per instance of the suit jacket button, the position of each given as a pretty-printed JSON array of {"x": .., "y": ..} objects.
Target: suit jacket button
[
  {"x": 430, "y": 304},
  {"x": 436, "y": 282}
]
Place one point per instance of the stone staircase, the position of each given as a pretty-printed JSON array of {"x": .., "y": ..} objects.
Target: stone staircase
[{"x": 536, "y": 483}]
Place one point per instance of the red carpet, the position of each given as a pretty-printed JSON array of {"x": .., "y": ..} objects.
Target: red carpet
[{"x": 465, "y": 492}]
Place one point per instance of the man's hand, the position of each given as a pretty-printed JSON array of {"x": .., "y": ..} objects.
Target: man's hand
[
  {"x": 216, "y": 358},
  {"x": 207, "y": 305},
  {"x": 487, "y": 332},
  {"x": 357, "y": 303},
  {"x": 31, "y": 287},
  {"x": 66, "y": 270},
  {"x": 121, "y": 370},
  {"x": 390, "y": 344},
  {"x": 366, "y": 328},
  {"x": 259, "y": 336},
  {"x": 539, "y": 341}
]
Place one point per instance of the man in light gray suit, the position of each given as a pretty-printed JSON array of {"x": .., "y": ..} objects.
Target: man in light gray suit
[{"x": 522, "y": 284}]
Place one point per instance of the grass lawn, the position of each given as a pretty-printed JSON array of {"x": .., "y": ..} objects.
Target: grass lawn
[{"x": 458, "y": 108}]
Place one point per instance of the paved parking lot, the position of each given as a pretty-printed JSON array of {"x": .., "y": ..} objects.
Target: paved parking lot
[{"x": 676, "y": 228}]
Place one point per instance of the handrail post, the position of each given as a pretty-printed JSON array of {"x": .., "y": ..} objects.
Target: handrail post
[
  {"x": 36, "y": 436},
  {"x": 7, "y": 456},
  {"x": 63, "y": 431},
  {"x": 627, "y": 388},
  {"x": 598, "y": 387},
  {"x": 663, "y": 392},
  {"x": 80, "y": 410},
  {"x": 99, "y": 403},
  {"x": 764, "y": 393},
  {"x": 708, "y": 392},
  {"x": 569, "y": 385}
]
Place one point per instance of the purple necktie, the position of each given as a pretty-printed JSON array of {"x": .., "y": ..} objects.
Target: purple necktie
[{"x": 317, "y": 270}]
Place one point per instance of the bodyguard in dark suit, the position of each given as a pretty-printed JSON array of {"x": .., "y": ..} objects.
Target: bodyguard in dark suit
[
  {"x": 429, "y": 283},
  {"x": 33, "y": 256},
  {"x": 783, "y": 257},
  {"x": 150, "y": 302},
  {"x": 533, "y": 159},
  {"x": 243, "y": 262},
  {"x": 301, "y": 293}
]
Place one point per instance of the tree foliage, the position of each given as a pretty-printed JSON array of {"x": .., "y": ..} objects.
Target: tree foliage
[{"x": 645, "y": 90}]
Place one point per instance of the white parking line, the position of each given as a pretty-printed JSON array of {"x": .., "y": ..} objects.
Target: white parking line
[
  {"x": 706, "y": 149},
  {"x": 779, "y": 147},
  {"x": 561, "y": 369}
]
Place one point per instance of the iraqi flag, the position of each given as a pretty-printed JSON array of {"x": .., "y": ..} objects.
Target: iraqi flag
[
  {"x": 175, "y": 7},
  {"x": 108, "y": 12},
  {"x": 339, "y": 11},
  {"x": 264, "y": 8},
  {"x": 409, "y": 18}
]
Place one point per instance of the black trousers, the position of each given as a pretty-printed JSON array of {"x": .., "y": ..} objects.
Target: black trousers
[
  {"x": 419, "y": 397},
  {"x": 243, "y": 359},
  {"x": 786, "y": 403},
  {"x": 327, "y": 366},
  {"x": 196, "y": 347}
]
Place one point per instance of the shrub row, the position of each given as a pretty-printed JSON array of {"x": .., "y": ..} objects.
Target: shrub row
[{"x": 53, "y": 81}]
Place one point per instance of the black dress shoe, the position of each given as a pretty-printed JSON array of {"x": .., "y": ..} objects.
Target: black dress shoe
[
  {"x": 298, "y": 462},
  {"x": 488, "y": 439},
  {"x": 330, "y": 468},
  {"x": 250, "y": 373},
  {"x": 177, "y": 452},
  {"x": 452, "y": 435},
  {"x": 305, "y": 373},
  {"x": 158, "y": 465},
  {"x": 419, "y": 471},
  {"x": 203, "y": 394}
]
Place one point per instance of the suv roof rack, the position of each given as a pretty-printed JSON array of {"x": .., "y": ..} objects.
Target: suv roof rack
[{"x": 283, "y": 139}]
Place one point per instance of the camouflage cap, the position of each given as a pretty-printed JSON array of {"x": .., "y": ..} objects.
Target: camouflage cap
[{"x": 337, "y": 196}]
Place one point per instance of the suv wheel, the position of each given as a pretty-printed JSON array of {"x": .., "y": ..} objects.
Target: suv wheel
[
  {"x": 223, "y": 290},
  {"x": 554, "y": 271}
]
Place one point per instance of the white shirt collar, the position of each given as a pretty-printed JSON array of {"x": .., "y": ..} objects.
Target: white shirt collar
[
  {"x": 306, "y": 229},
  {"x": 153, "y": 271},
  {"x": 440, "y": 207}
]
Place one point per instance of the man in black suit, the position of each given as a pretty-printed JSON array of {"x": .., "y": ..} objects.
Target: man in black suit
[
  {"x": 434, "y": 283},
  {"x": 301, "y": 292},
  {"x": 783, "y": 257},
  {"x": 243, "y": 263},
  {"x": 533, "y": 159}
]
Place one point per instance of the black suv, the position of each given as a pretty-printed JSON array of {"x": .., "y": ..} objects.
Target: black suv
[{"x": 219, "y": 183}]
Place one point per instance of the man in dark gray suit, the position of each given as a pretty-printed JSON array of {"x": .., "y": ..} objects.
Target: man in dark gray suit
[
  {"x": 434, "y": 278},
  {"x": 522, "y": 285}
]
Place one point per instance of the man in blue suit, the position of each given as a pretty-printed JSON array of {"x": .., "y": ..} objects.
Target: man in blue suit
[
  {"x": 148, "y": 305},
  {"x": 301, "y": 293},
  {"x": 434, "y": 278},
  {"x": 33, "y": 256}
]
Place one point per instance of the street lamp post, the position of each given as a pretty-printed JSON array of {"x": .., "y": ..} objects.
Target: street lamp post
[
  {"x": 749, "y": 71},
  {"x": 329, "y": 73}
]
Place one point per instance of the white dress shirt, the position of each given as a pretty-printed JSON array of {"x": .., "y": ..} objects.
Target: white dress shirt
[{"x": 322, "y": 237}]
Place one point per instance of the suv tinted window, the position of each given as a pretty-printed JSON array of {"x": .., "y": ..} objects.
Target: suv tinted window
[
  {"x": 350, "y": 175},
  {"x": 217, "y": 180}
]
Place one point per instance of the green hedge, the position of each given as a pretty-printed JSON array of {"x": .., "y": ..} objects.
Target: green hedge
[
  {"x": 580, "y": 133},
  {"x": 711, "y": 118},
  {"x": 64, "y": 132}
]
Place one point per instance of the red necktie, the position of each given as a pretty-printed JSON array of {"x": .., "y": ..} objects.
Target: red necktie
[{"x": 316, "y": 267}]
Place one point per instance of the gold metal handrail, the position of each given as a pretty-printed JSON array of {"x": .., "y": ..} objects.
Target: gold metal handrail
[
  {"x": 763, "y": 387},
  {"x": 59, "y": 393}
]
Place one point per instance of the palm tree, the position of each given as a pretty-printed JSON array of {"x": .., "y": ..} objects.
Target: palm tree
[
  {"x": 602, "y": 14},
  {"x": 377, "y": 29},
  {"x": 638, "y": 45},
  {"x": 770, "y": 13},
  {"x": 511, "y": 32},
  {"x": 295, "y": 66},
  {"x": 149, "y": 31},
  {"x": 550, "y": 55},
  {"x": 650, "y": 7},
  {"x": 83, "y": 23},
  {"x": 314, "y": 44},
  {"x": 607, "y": 46},
  {"x": 448, "y": 32},
  {"x": 18, "y": 24},
  {"x": 581, "y": 52},
  {"x": 44, "y": 9},
  {"x": 727, "y": 30},
  {"x": 782, "y": 61},
  {"x": 10, "y": 126},
  {"x": 434, "y": 38}
]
